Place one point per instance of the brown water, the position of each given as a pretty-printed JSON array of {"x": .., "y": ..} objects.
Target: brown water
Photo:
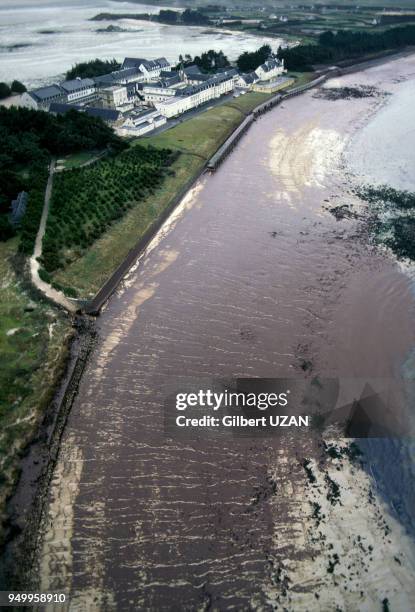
[{"x": 252, "y": 277}]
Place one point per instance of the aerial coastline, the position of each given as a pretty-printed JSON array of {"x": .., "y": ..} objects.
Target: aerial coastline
[
  {"x": 329, "y": 539},
  {"x": 244, "y": 170}
]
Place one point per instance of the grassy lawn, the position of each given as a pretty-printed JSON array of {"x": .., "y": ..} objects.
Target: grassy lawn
[
  {"x": 77, "y": 159},
  {"x": 248, "y": 101},
  {"x": 33, "y": 340},
  {"x": 196, "y": 139},
  {"x": 301, "y": 78}
]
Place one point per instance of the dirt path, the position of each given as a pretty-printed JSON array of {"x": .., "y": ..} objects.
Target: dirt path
[{"x": 45, "y": 288}]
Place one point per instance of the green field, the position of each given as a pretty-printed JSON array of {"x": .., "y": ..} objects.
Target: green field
[
  {"x": 196, "y": 140},
  {"x": 33, "y": 340}
]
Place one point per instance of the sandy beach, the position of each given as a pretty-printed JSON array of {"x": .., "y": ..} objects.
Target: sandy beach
[{"x": 253, "y": 277}]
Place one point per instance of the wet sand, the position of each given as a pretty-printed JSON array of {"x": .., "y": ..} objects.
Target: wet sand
[{"x": 251, "y": 277}]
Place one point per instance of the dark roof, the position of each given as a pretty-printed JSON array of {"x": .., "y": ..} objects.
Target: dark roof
[
  {"x": 132, "y": 62},
  {"x": 143, "y": 124},
  {"x": 164, "y": 83},
  {"x": 105, "y": 79},
  {"x": 77, "y": 84},
  {"x": 192, "y": 69},
  {"x": 125, "y": 73},
  {"x": 46, "y": 93},
  {"x": 211, "y": 82},
  {"x": 106, "y": 114},
  {"x": 136, "y": 62},
  {"x": 249, "y": 77},
  {"x": 168, "y": 73},
  {"x": 269, "y": 64},
  {"x": 18, "y": 207}
]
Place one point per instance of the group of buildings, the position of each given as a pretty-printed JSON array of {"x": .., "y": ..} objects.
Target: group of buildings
[{"x": 143, "y": 94}]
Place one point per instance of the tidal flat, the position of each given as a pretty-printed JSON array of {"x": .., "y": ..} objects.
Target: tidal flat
[{"x": 252, "y": 276}]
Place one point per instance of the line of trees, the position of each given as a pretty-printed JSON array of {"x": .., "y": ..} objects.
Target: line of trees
[
  {"x": 7, "y": 90},
  {"x": 187, "y": 17},
  {"x": 209, "y": 61},
  {"x": 93, "y": 68},
  {"x": 342, "y": 45},
  {"x": 250, "y": 61}
]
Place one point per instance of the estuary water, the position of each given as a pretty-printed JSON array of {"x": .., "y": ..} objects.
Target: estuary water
[
  {"x": 41, "y": 40},
  {"x": 251, "y": 277}
]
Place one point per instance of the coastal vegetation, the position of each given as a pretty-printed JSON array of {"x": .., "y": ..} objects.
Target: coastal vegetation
[
  {"x": 209, "y": 61},
  {"x": 93, "y": 68},
  {"x": 33, "y": 345},
  {"x": 86, "y": 201},
  {"x": 332, "y": 47},
  {"x": 392, "y": 218},
  {"x": 188, "y": 17},
  {"x": 8, "y": 90},
  {"x": 250, "y": 61}
]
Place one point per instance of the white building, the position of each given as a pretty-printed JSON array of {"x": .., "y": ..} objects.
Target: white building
[
  {"x": 193, "y": 96},
  {"x": 114, "y": 97},
  {"x": 270, "y": 69},
  {"x": 141, "y": 123},
  {"x": 79, "y": 90}
]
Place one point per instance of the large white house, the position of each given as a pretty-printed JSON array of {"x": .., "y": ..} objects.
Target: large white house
[
  {"x": 194, "y": 95},
  {"x": 270, "y": 69}
]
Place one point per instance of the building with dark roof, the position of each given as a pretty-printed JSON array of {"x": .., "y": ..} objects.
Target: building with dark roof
[
  {"x": 150, "y": 69},
  {"x": 18, "y": 208},
  {"x": 108, "y": 115},
  {"x": 79, "y": 89},
  {"x": 42, "y": 97},
  {"x": 247, "y": 79},
  {"x": 191, "y": 96},
  {"x": 270, "y": 69}
]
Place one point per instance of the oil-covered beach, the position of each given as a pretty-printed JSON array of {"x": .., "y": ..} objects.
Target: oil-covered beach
[{"x": 256, "y": 274}]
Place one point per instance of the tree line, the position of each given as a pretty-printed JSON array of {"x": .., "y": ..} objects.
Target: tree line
[
  {"x": 209, "y": 61},
  {"x": 7, "y": 90},
  {"x": 343, "y": 45},
  {"x": 93, "y": 68}
]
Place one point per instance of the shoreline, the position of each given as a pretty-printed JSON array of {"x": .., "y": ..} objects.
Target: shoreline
[{"x": 50, "y": 469}]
